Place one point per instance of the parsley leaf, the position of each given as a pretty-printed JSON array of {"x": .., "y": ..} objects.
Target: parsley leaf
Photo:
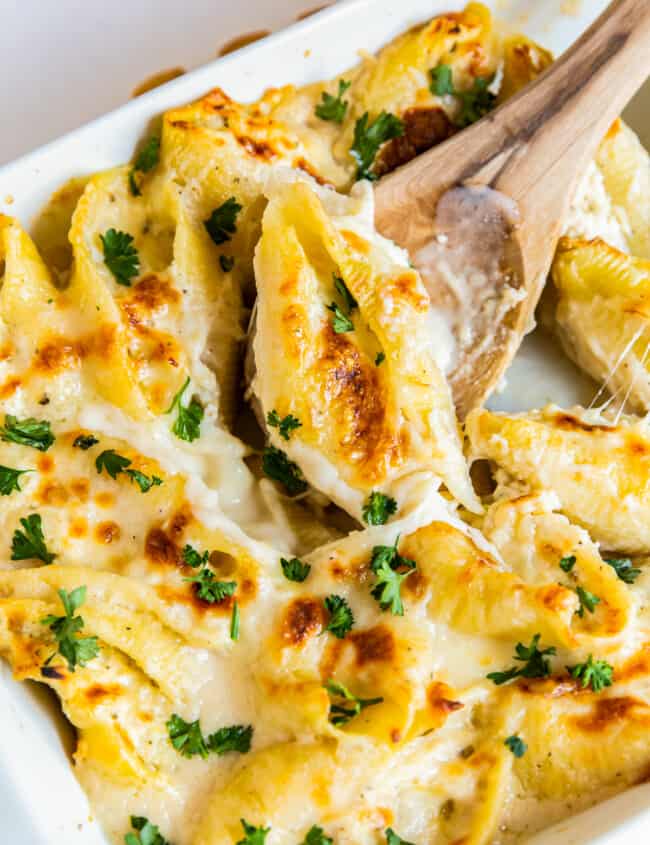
[
  {"x": 535, "y": 663},
  {"x": 316, "y": 836},
  {"x": 148, "y": 834},
  {"x": 146, "y": 160},
  {"x": 234, "y": 622},
  {"x": 235, "y": 738},
  {"x": 567, "y": 563},
  {"x": 588, "y": 601},
  {"x": 209, "y": 589},
  {"x": 188, "y": 423},
  {"x": 441, "y": 80},
  {"x": 623, "y": 568},
  {"x": 378, "y": 508},
  {"x": 220, "y": 225},
  {"x": 285, "y": 425},
  {"x": 333, "y": 108},
  {"x": 342, "y": 290},
  {"x": 295, "y": 569},
  {"x": 85, "y": 442},
  {"x": 253, "y": 835},
  {"x": 516, "y": 745},
  {"x": 386, "y": 563},
  {"x": 29, "y": 543},
  {"x": 368, "y": 138},
  {"x": 226, "y": 262},
  {"x": 381, "y": 357},
  {"x": 351, "y": 706},
  {"x": 192, "y": 558},
  {"x": 393, "y": 839},
  {"x": 120, "y": 256},
  {"x": 10, "y": 480},
  {"x": 76, "y": 650},
  {"x": 28, "y": 432},
  {"x": 341, "y": 617},
  {"x": 277, "y": 466},
  {"x": 340, "y": 322},
  {"x": 476, "y": 102},
  {"x": 597, "y": 673},
  {"x": 115, "y": 464},
  {"x": 186, "y": 737}
]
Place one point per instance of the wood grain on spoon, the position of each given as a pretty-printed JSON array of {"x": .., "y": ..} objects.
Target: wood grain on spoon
[{"x": 485, "y": 249}]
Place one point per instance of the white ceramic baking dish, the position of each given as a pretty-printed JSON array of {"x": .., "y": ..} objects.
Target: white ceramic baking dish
[{"x": 40, "y": 800}]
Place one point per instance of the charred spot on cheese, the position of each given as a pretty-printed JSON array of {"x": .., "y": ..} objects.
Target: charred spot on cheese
[
  {"x": 160, "y": 548},
  {"x": 373, "y": 645},
  {"x": 98, "y": 692},
  {"x": 440, "y": 702},
  {"x": 606, "y": 713},
  {"x": 424, "y": 127},
  {"x": 107, "y": 532},
  {"x": 303, "y": 618},
  {"x": 569, "y": 422}
]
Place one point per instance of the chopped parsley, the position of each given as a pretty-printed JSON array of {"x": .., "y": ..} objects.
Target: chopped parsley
[
  {"x": 28, "y": 432},
  {"x": 120, "y": 256},
  {"x": 221, "y": 225},
  {"x": 341, "y": 323},
  {"x": 316, "y": 836},
  {"x": 588, "y": 601},
  {"x": 381, "y": 357},
  {"x": 390, "y": 570},
  {"x": 295, "y": 569},
  {"x": 253, "y": 835},
  {"x": 188, "y": 740},
  {"x": 333, "y": 108},
  {"x": 535, "y": 663},
  {"x": 209, "y": 589},
  {"x": 147, "y": 833},
  {"x": 341, "y": 617},
  {"x": 234, "y": 622},
  {"x": 277, "y": 466},
  {"x": 441, "y": 80},
  {"x": 115, "y": 464},
  {"x": 146, "y": 160},
  {"x": 378, "y": 508},
  {"x": 349, "y": 705},
  {"x": 474, "y": 103},
  {"x": 285, "y": 425},
  {"x": 393, "y": 839},
  {"x": 594, "y": 673},
  {"x": 76, "y": 650},
  {"x": 567, "y": 563},
  {"x": 368, "y": 138},
  {"x": 516, "y": 745},
  {"x": 192, "y": 558},
  {"x": 29, "y": 544},
  {"x": 623, "y": 568},
  {"x": 10, "y": 480},
  {"x": 226, "y": 262},
  {"x": 342, "y": 290},
  {"x": 188, "y": 423},
  {"x": 85, "y": 442}
]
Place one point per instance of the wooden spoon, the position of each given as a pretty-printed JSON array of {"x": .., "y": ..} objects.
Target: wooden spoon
[{"x": 481, "y": 214}]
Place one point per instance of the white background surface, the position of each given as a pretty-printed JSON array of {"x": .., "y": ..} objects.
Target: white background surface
[{"x": 63, "y": 62}]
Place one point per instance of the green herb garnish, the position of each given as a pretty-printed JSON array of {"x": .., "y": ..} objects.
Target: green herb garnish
[
  {"x": 28, "y": 432},
  {"x": 390, "y": 570},
  {"x": 474, "y": 103},
  {"x": 341, "y": 617},
  {"x": 333, "y": 108},
  {"x": 378, "y": 508},
  {"x": 226, "y": 262},
  {"x": 10, "y": 480},
  {"x": 516, "y": 745},
  {"x": 623, "y": 568},
  {"x": 341, "y": 323},
  {"x": 393, "y": 839},
  {"x": 285, "y": 425},
  {"x": 234, "y": 622},
  {"x": 316, "y": 836},
  {"x": 277, "y": 466},
  {"x": 567, "y": 563},
  {"x": 192, "y": 558},
  {"x": 209, "y": 589},
  {"x": 188, "y": 423},
  {"x": 342, "y": 290},
  {"x": 85, "y": 442},
  {"x": 29, "y": 544},
  {"x": 114, "y": 464},
  {"x": 253, "y": 835},
  {"x": 381, "y": 357},
  {"x": 441, "y": 80},
  {"x": 368, "y": 138},
  {"x": 588, "y": 601},
  {"x": 351, "y": 706},
  {"x": 147, "y": 833},
  {"x": 295, "y": 569},
  {"x": 120, "y": 256},
  {"x": 594, "y": 673},
  {"x": 76, "y": 650},
  {"x": 221, "y": 225},
  {"x": 535, "y": 663},
  {"x": 146, "y": 160}
]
